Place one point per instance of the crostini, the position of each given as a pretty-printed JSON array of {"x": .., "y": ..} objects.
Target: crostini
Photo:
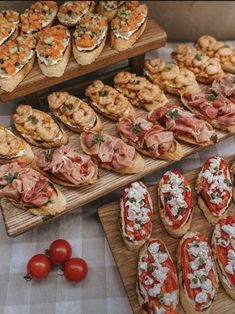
[
  {"x": 38, "y": 128},
  {"x": 30, "y": 190},
  {"x": 206, "y": 69},
  {"x": 225, "y": 85},
  {"x": 223, "y": 246},
  {"x": 232, "y": 173},
  {"x": 175, "y": 203},
  {"x": 109, "y": 9},
  {"x": 170, "y": 78},
  {"x": 70, "y": 12},
  {"x": 149, "y": 139},
  {"x": 40, "y": 15},
  {"x": 73, "y": 112},
  {"x": 140, "y": 91},
  {"x": 214, "y": 189},
  {"x": 136, "y": 215},
  {"x": 128, "y": 25},
  {"x": 184, "y": 124},
  {"x": 89, "y": 38},
  {"x": 17, "y": 58},
  {"x": 108, "y": 101},
  {"x": 66, "y": 167},
  {"x": 111, "y": 153},
  {"x": 197, "y": 274},
  {"x": 218, "y": 110},
  {"x": 157, "y": 285},
  {"x": 9, "y": 24}
]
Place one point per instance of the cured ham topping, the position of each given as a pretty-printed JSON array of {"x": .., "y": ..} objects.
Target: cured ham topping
[
  {"x": 129, "y": 18},
  {"x": 225, "y": 85},
  {"x": 9, "y": 20},
  {"x": 107, "y": 149},
  {"x": 216, "y": 186},
  {"x": 71, "y": 12},
  {"x": 158, "y": 282},
  {"x": 136, "y": 212},
  {"x": 182, "y": 123},
  {"x": 224, "y": 236},
  {"x": 199, "y": 276},
  {"x": 146, "y": 135},
  {"x": 176, "y": 198}
]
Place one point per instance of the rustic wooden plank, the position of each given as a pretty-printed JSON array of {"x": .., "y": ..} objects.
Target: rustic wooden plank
[
  {"x": 126, "y": 261},
  {"x": 137, "y": 64}
]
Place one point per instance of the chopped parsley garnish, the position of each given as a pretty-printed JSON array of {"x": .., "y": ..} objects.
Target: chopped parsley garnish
[
  {"x": 17, "y": 65},
  {"x": 211, "y": 97},
  {"x": 194, "y": 280},
  {"x": 174, "y": 114},
  {"x": 48, "y": 154},
  {"x": 203, "y": 278},
  {"x": 150, "y": 268},
  {"x": 135, "y": 82},
  {"x": 196, "y": 244},
  {"x": 227, "y": 182},
  {"x": 98, "y": 139},
  {"x": 201, "y": 261},
  {"x": 33, "y": 119},
  {"x": 68, "y": 107},
  {"x": 199, "y": 56},
  {"x": 9, "y": 177},
  {"x": 186, "y": 188},
  {"x": 103, "y": 93},
  {"x": 160, "y": 298},
  {"x": 181, "y": 210},
  {"x": 136, "y": 128}
]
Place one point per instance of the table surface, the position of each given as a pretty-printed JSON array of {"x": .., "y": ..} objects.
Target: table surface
[{"x": 102, "y": 292}]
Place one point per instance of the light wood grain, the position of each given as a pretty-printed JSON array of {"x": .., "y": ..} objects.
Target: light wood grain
[{"x": 126, "y": 261}]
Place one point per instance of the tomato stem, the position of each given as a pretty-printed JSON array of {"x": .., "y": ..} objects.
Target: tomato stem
[
  {"x": 28, "y": 277},
  {"x": 47, "y": 252}
]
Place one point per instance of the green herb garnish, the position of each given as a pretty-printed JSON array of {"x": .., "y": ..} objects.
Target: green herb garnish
[
  {"x": 160, "y": 298},
  {"x": 33, "y": 119},
  {"x": 103, "y": 93},
  {"x": 150, "y": 268},
  {"x": 227, "y": 182},
  {"x": 136, "y": 128},
  {"x": 174, "y": 114},
  {"x": 211, "y": 97},
  {"x": 48, "y": 154},
  {"x": 9, "y": 177},
  {"x": 98, "y": 139},
  {"x": 68, "y": 107},
  {"x": 203, "y": 278},
  {"x": 194, "y": 280},
  {"x": 17, "y": 65},
  {"x": 135, "y": 82},
  {"x": 199, "y": 56},
  {"x": 201, "y": 261}
]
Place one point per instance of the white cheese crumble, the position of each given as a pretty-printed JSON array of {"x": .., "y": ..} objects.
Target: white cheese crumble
[
  {"x": 201, "y": 297},
  {"x": 159, "y": 310}
]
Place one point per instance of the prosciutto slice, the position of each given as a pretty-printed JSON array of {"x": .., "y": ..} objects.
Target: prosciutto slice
[{"x": 224, "y": 85}]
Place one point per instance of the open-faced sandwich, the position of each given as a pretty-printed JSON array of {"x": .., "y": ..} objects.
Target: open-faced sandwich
[
  {"x": 223, "y": 246},
  {"x": 140, "y": 91},
  {"x": 30, "y": 190},
  {"x": 111, "y": 153},
  {"x": 108, "y": 101},
  {"x": 218, "y": 49},
  {"x": 128, "y": 25},
  {"x": 17, "y": 57},
  {"x": 136, "y": 215},
  {"x": 157, "y": 285},
  {"x": 150, "y": 139},
  {"x": 53, "y": 50},
  {"x": 214, "y": 189},
  {"x": 232, "y": 173},
  {"x": 40, "y": 15},
  {"x": 218, "y": 110},
  {"x": 175, "y": 203},
  {"x": 38, "y": 128},
  {"x": 197, "y": 274},
  {"x": 170, "y": 77},
  {"x": 70, "y": 12},
  {"x": 206, "y": 69},
  {"x": 66, "y": 167},
  {"x": 109, "y": 9},
  {"x": 13, "y": 148},
  {"x": 73, "y": 112},
  {"x": 89, "y": 38},
  {"x": 184, "y": 124},
  {"x": 225, "y": 85},
  {"x": 9, "y": 23}
]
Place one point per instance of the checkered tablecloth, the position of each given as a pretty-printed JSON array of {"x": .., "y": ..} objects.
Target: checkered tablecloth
[{"x": 102, "y": 292}]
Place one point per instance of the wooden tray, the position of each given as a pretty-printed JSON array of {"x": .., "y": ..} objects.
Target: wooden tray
[{"x": 126, "y": 261}]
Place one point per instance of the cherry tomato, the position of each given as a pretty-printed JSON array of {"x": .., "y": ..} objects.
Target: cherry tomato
[
  {"x": 60, "y": 251},
  {"x": 75, "y": 269},
  {"x": 38, "y": 267}
]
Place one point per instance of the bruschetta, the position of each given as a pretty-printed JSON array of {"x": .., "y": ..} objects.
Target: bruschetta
[
  {"x": 223, "y": 246},
  {"x": 157, "y": 285},
  {"x": 109, "y": 9},
  {"x": 111, "y": 153},
  {"x": 218, "y": 110},
  {"x": 66, "y": 167},
  {"x": 136, "y": 215},
  {"x": 175, "y": 203},
  {"x": 89, "y": 38},
  {"x": 197, "y": 274},
  {"x": 30, "y": 190},
  {"x": 149, "y": 139},
  {"x": 170, "y": 78},
  {"x": 184, "y": 124},
  {"x": 38, "y": 128},
  {"x": 206, "y": 69},
  {"x": 108, "y": 101},
  {"x": 53, "y": 50},
  {"x": 13, "y": 148},
  {"x": 140, "y": 91},
  {"x": 73, "y": 112},
  {"x": 128, "y": 25},
  {"x": 17, "y": 58},
  {"x": 40, "y": 15},
  {"x": 214, "y": 189},
  {"x": 225, "y": 85},
  {"x": 9, "y": 24},
  {"x": 71, "y": 12},
  {"x": 232, "y": 173}
]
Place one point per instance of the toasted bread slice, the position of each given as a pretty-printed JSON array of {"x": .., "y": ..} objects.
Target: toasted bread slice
[
  {"x": 228, "y": 67},
  {"x": 110, "y": 14}
]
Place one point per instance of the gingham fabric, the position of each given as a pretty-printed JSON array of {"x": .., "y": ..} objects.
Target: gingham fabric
[{"x": 102, "y": 292}]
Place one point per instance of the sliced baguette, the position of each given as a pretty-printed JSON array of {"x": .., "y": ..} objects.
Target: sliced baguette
[
  {"x": 109, "y": 14},
  {"x": 228, "y": 67},
  {"x": 13, "y": 35}
]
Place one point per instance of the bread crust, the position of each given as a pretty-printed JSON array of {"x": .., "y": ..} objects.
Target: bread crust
[
  {"x": 109, "y": 14},
  {"x": 228, "y": 67},
  {"x": 13, "y": 35}
]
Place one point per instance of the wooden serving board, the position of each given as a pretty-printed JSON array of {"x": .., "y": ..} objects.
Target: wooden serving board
[{"x": 126, "y": 261}]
